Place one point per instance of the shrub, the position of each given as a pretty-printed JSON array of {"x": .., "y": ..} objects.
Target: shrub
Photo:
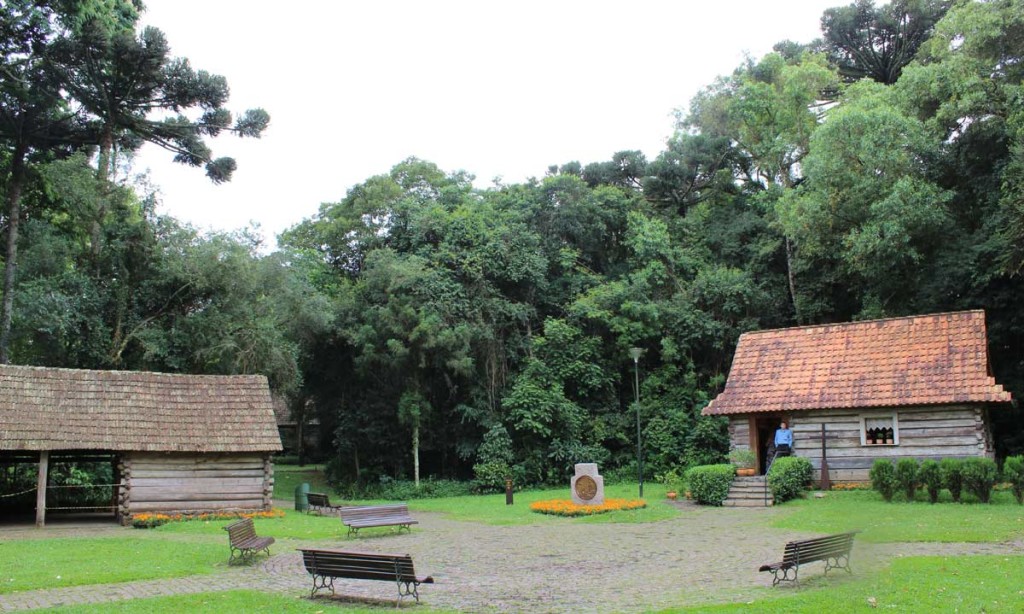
[
  {"x": 742, "y": 457},
  {"x": 883, "y": 478},
  {"x": 495, "y": 460},
  {"x": 789, "y": 477},
  {"x": 979, "y": 476},
  {"x": 906, "y": 477},
  {"x": 952, "y": 476},
  {"x": 930, "y": 476},
  {"x": 709, "y": 484},
  {"x": 1013, "y": 472}
]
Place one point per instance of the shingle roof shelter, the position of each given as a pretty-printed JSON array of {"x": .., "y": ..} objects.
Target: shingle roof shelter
[{"x": 185, "y": 420}]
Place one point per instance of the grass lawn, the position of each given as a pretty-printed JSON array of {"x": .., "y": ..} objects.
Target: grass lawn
[
  {"x": 52, "y": 563},
  {"x": 901, "y": 521},
  {"x": 913, "y": 584},
  {"x": 294, "y": 525},
  {"x": 491, "y": 509},
  {"x": 287, "y": 477},
  {"x": 219, "y": 603}
]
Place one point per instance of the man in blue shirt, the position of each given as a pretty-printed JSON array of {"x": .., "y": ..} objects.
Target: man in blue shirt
[{"x": 783, "y": 440}]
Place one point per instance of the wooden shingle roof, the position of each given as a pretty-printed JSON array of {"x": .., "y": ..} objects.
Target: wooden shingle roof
[
  {"x": 920, "y": 360},
  {"x": 71, "y": 409}
]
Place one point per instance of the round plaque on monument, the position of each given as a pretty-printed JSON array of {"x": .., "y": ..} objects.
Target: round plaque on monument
[{"x": 586, "y": 488}]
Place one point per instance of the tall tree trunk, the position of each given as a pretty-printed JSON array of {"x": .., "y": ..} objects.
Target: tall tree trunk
[
  {"x": 14, "y": 189},
  {"x": 792, "y": 281},
  {"x": 103, "y": 173},
  {"x": 416, "y": 454}
]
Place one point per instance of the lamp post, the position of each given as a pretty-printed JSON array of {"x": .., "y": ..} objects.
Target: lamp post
[{"x": 636, "y": 353}]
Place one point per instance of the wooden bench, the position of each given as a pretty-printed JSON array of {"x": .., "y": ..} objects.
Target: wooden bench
[
  {"x": 319, "y": 503},
  {"x": 326, "y": 565},
  {"x": 243, "y": 539},
  {"x": 364, "y": 516},
  {"x": 833, "y": 549}
]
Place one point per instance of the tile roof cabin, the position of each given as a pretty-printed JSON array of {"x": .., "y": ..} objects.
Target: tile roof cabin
[
  {"x": 917, "y": 387},
  {"x": 179, "y": 443}
]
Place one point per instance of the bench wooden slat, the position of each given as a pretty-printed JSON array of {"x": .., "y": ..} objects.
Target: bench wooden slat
[
  {"x": 366, "y": 516},
  {"x": 833, "y": 549},
  {"x": 325, "y": 565},
  {"x": 243, "y": 539}
]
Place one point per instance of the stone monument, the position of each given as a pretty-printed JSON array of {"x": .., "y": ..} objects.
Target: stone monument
[{"x": 587, "y": 485}]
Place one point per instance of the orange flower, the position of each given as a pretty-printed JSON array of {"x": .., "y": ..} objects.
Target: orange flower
[{"x": 565, "y": 507}]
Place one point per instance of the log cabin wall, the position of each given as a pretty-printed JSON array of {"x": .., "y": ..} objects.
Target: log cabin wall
[
  {"x": 192, "y": 483},
  {"x": 956, "y": 431}
]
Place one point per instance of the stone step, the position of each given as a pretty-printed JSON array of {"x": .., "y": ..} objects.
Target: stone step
[{"x": 746, "y": 503}]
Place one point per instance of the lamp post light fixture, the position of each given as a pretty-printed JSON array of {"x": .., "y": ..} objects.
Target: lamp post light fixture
[{"x": 636, "y": 353}]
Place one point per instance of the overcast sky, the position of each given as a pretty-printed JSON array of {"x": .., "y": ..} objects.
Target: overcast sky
[{"x": 495, "y": 88}]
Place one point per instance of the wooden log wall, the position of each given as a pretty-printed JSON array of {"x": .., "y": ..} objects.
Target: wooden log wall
[
  {"x": 924, "y": 433},
  {"x": 193, "y": 483}
]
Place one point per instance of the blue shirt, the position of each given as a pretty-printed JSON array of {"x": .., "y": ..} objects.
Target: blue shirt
[{"x": 784, "y": 436}]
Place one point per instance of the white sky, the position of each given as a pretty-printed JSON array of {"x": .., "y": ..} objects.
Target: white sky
[{"x": 495, "y": 88}]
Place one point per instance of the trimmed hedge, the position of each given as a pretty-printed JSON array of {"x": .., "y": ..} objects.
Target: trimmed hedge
[
  {"x": 979, "y": 477},
  {"x": 1013, "y": 472},
  {"x": 709, "y": 484},
  {"x": 931, "y": 478},
  {"x": 789, "y": 476},
  {"x": 906, "y": 477},
  {"x": 883, "y": 478},
  {"x": 952, "y": 476}
]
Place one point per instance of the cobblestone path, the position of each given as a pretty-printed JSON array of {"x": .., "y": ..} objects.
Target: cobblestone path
[{"x": 704, "y": 555}]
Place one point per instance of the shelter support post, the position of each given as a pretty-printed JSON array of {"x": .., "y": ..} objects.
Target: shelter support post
[{"x": 44, "y": 467}]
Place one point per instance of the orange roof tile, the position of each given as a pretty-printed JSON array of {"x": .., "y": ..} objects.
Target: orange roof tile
[{"x": 919, "y": 360}]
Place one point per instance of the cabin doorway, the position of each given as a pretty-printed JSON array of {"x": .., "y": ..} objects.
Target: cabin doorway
[{"x": 764, "y": 428}]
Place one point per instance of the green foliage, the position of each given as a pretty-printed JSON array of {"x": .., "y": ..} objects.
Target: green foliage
[
  {"x": 709, "y": 484},
  {"x": 789, "y": 477},
  {"x": 979, "y": 476},
  {"x": 952, "y": 470},
  {"x": 883, "y": 478},
  {"x": 1013, "y": 472},
  {"x": 930, "y": 475},
  {"x": 906, "y": 476},
  {"x": 494, "y": 461},
  {"x": 742, "y": 457}
]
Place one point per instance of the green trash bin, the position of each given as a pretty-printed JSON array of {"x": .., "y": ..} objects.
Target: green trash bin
[{"x": 301, "y": 500}]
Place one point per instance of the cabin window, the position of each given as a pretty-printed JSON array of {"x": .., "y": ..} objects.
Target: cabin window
[{"x": 879, "y": 430}]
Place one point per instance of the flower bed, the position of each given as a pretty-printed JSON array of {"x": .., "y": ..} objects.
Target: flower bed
[
  {"x": 148, "y": 521},
  {"x": 565, "y": 507}
]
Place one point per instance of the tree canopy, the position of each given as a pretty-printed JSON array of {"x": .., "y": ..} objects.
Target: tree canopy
[{"x": 425, "y": 326}]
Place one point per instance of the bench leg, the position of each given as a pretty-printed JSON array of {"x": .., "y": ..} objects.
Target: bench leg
[
  {"x": 838, "y": 562},
  {"x": 408, "y": 588},
  {"x": 352, "y": 531},
  {"x": 320, "y": 582},
  {"x": 782, "y": 575}
]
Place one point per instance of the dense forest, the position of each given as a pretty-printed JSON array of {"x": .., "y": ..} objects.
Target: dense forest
[{"x": 422, "y": 326}]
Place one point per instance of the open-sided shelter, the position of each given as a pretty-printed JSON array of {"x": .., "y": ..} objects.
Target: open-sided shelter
[
  {"x": 917, "y": 387},
  {"x": 179, "y": 443}
]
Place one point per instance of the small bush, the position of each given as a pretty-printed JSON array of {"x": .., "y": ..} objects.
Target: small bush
[
  {"x": 906, "y": 477},
  {"x": 789, "y": 477},
  {"x": 930, "y": 476},
  {"x": 883, "y": 478},
  {"x": 979, "y": 476},
  {"x": 709, "y": 484},
  {"x": 742, "y": 457},
  {"x": 952, "y": 476},
  {"x": 1013, "y": 472}
]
